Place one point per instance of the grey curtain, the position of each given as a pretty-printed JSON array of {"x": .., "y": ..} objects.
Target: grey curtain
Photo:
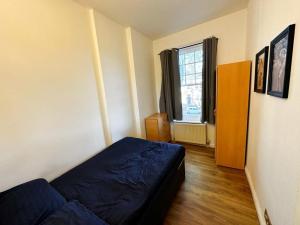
[
  {"x": 209, "y": 79},
  {"x": 170, "y": 96}
]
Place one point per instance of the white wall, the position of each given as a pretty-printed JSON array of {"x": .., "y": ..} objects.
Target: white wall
[
  {"x": 115, "y": 68},
  {"x": 273, "y": 161},
  {"x": 65, "y": 90},
  {"x": 143, "y": 72},
  {"x": 231, "y": 31},
  {"x": 49, "y": 117}
]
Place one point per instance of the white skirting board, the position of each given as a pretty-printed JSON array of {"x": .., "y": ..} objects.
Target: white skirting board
[{"x": 259, "y": 210}]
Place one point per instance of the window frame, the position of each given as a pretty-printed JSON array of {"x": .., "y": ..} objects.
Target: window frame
[{"x": 198, "y": 75}]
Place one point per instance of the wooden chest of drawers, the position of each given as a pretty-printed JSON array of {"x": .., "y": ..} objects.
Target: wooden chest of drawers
[{"x": 158, "y": 127}]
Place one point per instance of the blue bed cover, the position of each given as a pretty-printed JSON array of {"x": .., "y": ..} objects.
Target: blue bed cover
[{"x": 117, "y": 183}]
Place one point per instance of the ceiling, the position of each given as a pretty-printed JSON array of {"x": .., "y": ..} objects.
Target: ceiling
[{"x": 157, "y": 18}]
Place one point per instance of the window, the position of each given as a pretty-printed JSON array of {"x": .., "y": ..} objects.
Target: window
[{"x": 190, "y": 65}]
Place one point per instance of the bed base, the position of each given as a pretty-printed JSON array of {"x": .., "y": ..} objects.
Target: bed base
[{"x": 162, "y": 200}]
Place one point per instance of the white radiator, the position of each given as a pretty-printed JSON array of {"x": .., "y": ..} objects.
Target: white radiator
[{"x": 190, "y": 133}]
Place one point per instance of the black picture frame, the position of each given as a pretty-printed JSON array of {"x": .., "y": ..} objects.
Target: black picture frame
[
  {"x": 264, "y": 53},
  {"x": 281, "y": 52}
]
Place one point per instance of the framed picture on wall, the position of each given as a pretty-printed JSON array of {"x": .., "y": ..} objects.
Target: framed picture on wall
[
  {"x": 281, "y": 51},
  {"x": 261, "y": 67}
]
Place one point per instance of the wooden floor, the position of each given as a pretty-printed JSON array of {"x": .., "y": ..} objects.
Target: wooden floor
[{"x": 211, "y": 195}]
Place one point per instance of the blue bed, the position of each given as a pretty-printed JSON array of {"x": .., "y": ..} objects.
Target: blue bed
[
  {"x": 120, "y": 183},
  {"x": 132, "y": 182}
]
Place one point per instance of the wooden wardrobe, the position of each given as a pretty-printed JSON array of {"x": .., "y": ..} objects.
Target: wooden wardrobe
[{"x": 232, "y": 105}]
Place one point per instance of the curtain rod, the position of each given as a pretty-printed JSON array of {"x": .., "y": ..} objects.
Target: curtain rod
[
  {"x": 196, "y": 43},
  {"x": 191, "y": 45},
  {"x": 188, "y": 46},
  {"x": 199, "y": 43}
]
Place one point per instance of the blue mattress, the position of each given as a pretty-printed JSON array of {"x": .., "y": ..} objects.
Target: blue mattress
[{"x": 118, "y": 183}]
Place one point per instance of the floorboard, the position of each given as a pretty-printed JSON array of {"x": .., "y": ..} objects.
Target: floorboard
[{"x": 211, "y": 195}]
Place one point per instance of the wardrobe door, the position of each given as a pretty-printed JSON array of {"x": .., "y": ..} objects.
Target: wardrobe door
[{"x": 233, "y": 84}]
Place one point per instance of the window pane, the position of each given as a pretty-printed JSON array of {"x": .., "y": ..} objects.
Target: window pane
[
  {"x": 198, "y": 67},
  {"x": 189, "y": 58},
  {"x": 182, "y": 79},
  {"x": 198, "y": 56},
  {"x": 181, "y": 59},
  {"x": 191, "y": 103},
  {"x": 190, "y": 79},
  {"x": 182, "y": 70},
  {"x": 198, "y": 78},
  {"x": 190, "y": 69}
]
